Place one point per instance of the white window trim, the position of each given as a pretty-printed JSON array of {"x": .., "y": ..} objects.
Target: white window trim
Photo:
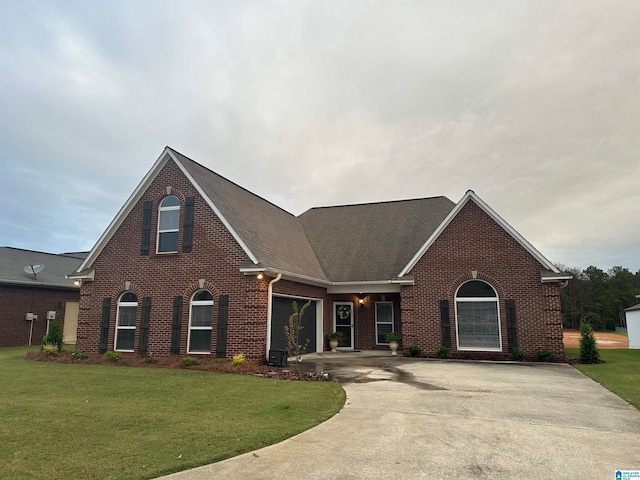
[
  {"x": 384, "y": 323},
  {"x": 195, "y": 303},
  {"x": 167, "y": 209},
  {"x": 478, "y": 299},
  {"x": 127, "y": 327},
  {"x": 353, "y": 326}
]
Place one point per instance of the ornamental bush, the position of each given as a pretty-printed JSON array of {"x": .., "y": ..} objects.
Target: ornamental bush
[
  {"x": 54, "y": 337},
  {"x": 589, "y": 352}
]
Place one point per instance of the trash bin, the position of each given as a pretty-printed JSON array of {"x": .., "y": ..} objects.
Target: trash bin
[{"x": 277, "y": 358}]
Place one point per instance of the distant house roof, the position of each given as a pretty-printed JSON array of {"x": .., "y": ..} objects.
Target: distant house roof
[
  {"x": 56, "y": 267},
  {"x": 373, "y": 242}
]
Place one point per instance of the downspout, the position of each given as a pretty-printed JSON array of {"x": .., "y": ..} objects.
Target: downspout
[{"x": 269, "y": 307}]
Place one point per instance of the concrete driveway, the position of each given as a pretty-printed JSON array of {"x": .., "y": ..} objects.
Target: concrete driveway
[{"x": 408, "y": 418}]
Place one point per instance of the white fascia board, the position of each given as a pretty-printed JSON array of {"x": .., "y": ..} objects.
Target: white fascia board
[
  {"x": 65, "y": 286},
  {"x": 82, "y": 276},
  {"x": 364, "y": 287},
  {"x": 470, "y": 195},
  {"x": 215, "y": 209},
  {"x": 296, "y": 277},
  {"x": 125, "y": 210},
  {"x": 556, "y": 278}
]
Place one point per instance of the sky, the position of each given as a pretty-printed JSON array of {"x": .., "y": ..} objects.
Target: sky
[{"x": 534, "y": 105}]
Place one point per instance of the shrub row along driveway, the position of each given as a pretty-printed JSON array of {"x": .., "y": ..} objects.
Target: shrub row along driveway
[{"x": 411, "y": 418}]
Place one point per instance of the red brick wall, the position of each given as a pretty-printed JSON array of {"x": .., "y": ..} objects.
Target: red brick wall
[
  {"x": 215, "y": 258},
  {"x": 474, "y": 242},
  {"x": 17, "y": 301}
]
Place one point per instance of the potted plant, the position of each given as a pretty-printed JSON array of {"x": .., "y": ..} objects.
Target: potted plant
[
  {"x": 393, "y": 338},
  {"x": 334, "y": 338}
]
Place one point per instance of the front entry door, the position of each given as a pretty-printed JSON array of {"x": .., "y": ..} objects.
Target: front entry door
[{"x": 343, "y": 322}]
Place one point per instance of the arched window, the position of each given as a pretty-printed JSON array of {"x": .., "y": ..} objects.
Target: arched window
[
  {"x": 126, "y": 322},
  {"x": 200, "y": 316},
  {"x": 477, "y": 317},
  {"x": 168, "y": 225}
]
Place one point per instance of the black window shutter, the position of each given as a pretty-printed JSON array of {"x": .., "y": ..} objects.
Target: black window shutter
[
  {"x": 144, "y": 326},
  {"x": 223, "y": 312},
  {"x": 176, "y": 325},
  {"x": 187, "y": 232},
  {"x": 146, "y": 228},
  {"x": 104, "y": 325},
  {"x": 445, "y": 323},
  {"x": 512, "y": 331}
]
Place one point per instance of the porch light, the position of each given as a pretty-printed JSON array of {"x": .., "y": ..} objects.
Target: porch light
[
  {"x": 361, "y": 297},
  {"x": 260, "y": 276},
  {"x": 77, "y": 283}
]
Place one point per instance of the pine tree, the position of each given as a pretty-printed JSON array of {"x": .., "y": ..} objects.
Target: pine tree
[{"x": 588, "y": 349}]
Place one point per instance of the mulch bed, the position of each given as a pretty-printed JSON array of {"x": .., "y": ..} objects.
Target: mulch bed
[{"x": 175, "y": 361}]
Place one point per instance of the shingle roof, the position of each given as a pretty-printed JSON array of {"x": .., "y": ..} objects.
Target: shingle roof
[
  {"x": 274, "y": 236},
  {"x": 13, "y": 261},
  {"x": 372, "y": 241}
]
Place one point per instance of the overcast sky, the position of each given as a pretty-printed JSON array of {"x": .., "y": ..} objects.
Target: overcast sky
[{"x": 534, "y": 105}]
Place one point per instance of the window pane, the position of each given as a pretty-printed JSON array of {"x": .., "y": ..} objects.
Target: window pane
[
  {"x": 384, "y": 312},
  {"x": 127, "y": 316},
  {"x": 168, "y": 242},
  {"x": 383, "y": 330},
  {"x": 128, "y": 297},
  {"x": 202, "y": 295},
  {"x": 477, "y": 289},
  {"x": 170, "y": 202},
  {"x": 478, "y": 325},
  {"x": 201, "y": 315},
  {"x": 200, "y": 341},
  {"x": 125, "y": 339},
  {"x": 169, "y": 219}
]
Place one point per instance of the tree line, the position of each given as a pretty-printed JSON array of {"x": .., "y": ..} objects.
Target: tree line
[{"x": 597, "y": 297}]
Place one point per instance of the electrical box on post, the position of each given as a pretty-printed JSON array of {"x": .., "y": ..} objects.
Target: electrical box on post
[
  {"x": 51, "y": 315},
  {"x": 31, "y": 317}
]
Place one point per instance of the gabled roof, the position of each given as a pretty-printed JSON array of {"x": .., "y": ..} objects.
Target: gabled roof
[
  {"x": 372, "y": 241},
  {"x": 56, "y": 267},
  {"x": 470, "y": 196},
  {"x": 270, "y": 236},
  {"x": 350, "y": 244}
]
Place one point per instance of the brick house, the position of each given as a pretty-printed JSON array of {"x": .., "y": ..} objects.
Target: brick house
[
  {"x": 23, "y": 293},
  {"x": 195, "y": 264}
]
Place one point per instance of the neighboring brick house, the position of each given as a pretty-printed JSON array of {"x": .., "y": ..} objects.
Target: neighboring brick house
[
  {"x": 195, "y": 264},
  {"x": 49, "y": 291}
]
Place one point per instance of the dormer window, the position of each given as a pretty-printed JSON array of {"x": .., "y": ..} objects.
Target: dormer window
[{"x": 168, "y": 225}]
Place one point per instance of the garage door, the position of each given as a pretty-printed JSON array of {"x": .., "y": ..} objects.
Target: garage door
[{"x": 281, "y": 311}]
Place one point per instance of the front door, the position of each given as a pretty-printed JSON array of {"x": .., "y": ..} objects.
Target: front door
[{"x": 343, "y": 322}]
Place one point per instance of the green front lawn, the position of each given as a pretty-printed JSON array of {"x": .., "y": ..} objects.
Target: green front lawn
[
  {"x": 99, "y": 421},
  {"x": 620, "y": 373}
]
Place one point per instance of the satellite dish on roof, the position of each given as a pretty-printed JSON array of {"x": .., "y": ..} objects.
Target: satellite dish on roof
[{"x": 34, "y": 269}]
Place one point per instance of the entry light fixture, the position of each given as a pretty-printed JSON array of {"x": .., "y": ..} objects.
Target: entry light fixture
[
  {"x": 361, "y": 297},
  {"x": 260, "y": 276}
]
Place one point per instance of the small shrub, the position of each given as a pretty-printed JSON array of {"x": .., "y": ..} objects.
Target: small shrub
[
  {"x": 545, "y": 355},
  {"x": 393, "y": 337},
  {"x": 50, "y": 349},
  {"x": 443, "y": 352},
  {"x": 113, "y": 356},
  {"x": 151, "y": 359},
  {"x": 54, "y": 337},
  {"x": 589, "y": 352},
  {"x": 517, "y": 354},
  {"x": 414, "y": 351},
  {"x": 237, "y": 360},
  {"x": 335, "y": 336},
  {"x": 219, "y": 360},
  {"x": 189, "y": 361},
  {"x": 78, "y": 355}
]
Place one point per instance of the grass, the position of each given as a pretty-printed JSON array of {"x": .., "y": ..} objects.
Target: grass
[
  {"x": 109, "y": 422},
  {"x": 620, "y": 373}
]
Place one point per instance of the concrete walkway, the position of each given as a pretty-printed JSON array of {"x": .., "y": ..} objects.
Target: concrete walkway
[{"x": 407, "y": 418}]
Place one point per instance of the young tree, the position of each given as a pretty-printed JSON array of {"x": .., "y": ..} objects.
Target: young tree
[
  {"x": 292, "y": 331},
  {"x": 588, "y": 349}
]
